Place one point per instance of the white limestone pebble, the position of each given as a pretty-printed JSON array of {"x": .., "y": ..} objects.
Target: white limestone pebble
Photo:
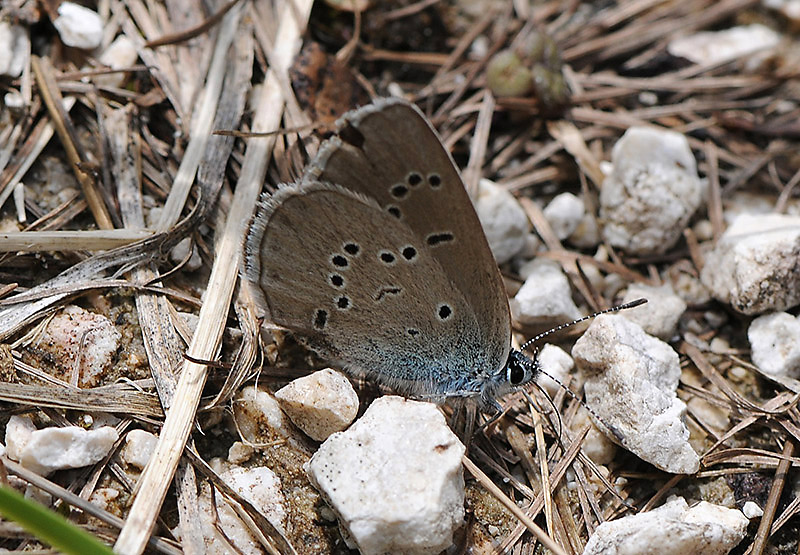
[
  {"x": 15, "y": 49},
  {"x": 139, "y": 446},
  {"x": 564, "y": 214},
  {"x": 674, "y": 528},
  {"x": 545, "y": 298},
  {"x": 185, "y": 250},
  {"x": 319, "y": 404},
  {"x": 660, "y": 315},
  {"x": 632, "y": 379},
  {"x": 78, "y": 26},
  {"x": 255, "y": 411},
  {"x": 394, "y": 478},
  {"x": 18, "y": 432},
  {"x": 557, "y": 363},
  {"x": 102, "y": 497},
  {"x": 752, "y": 510},
  {"x": 503, "y": 219},
  {"x": 119, "y": 54},
  {"x": 261, "y": 487},
  {"x": 51, "y": 449},
  {"x": 775, "y": 344},
  {"x": 652, "y": 191},
  {"x": 753, "y": 266},
  {"x": 714, "y": 47},
  {"x": 82, "y": 343}
]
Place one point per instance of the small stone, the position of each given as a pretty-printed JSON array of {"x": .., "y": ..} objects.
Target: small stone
[
  {"x": 775, "y": 344},
  {"x": 545, "y": 299},
  {"x": 755, "y": 266},
  {"x": 14, "y": 101},
  {"x": 185, "y": 248},
  {"x": 564, "y": 214},
  {"x": 319, "y": 404},
  {"x": 139, "y": 446},
  {"x": 256, "y": 410},
  {"x": 752, "y": 510},
  {"x": 595, "y": 445},
  {"x": 82, "y": 343},
  {"x": 394, "y": 478},
  {"x": 660, "y": 315},
  {"x": 789, "y": 8},
  {"x": 52, "y": 449},
  {"x": 120, "y": 54},
  {"x": 587, "y": 234},
  {"x": 652, "y": 192},
  {"x": 15, "y": 49},
  {"x": 261, "y": 487},
  {"x": 631, "y": 384},
  {"x": 18, "y": 433},
  {"x": 504, "y": 221},
  {"x": 239, "y": 452},
  {"x": 556, "y": 363},
  {"x": 715, "y": 47},
  {"x": 102, "y": 497},
  {"x": 689, "y": 288},
  {"x": 671, "y": 529},
  {"x": 710, "y": 415},
  {"x": 78, "y": 26}
]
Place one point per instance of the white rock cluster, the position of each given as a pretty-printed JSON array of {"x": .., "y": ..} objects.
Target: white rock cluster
[
  {"x": 652, "y": 191},
  {"x": 671, "y": 529},
  {"x": 394, "y": 478},
  {"x": 755, "y": 265},
  {"x": 632, "y": 379}
]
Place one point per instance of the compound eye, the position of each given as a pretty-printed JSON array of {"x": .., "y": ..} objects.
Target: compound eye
[{"x": 516, "y": 373}]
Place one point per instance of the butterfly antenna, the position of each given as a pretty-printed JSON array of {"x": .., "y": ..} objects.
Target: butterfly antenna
[
  {"x": 592, "y": 466},
  {"x": 613, "y": 431},
  {"x": 617, "y": 308}
]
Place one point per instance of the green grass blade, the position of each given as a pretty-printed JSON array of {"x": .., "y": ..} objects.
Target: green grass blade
[{"x": 48, "y": 526}]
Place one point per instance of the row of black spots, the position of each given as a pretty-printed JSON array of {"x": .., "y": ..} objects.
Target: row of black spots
[
  {"x": 401, "y": 191},
  {"x": 435, "y": 239},
  {"x": 408, "y": 252},
  {"x": 414, "y": 179}
]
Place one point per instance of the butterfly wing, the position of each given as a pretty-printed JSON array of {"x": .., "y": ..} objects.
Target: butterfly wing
[
  {"x": 364, "y": 290},
  {"x": 389, "y": 152}
]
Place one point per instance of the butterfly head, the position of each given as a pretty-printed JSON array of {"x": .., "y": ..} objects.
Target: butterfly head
[{"x": 518, "y": 371}]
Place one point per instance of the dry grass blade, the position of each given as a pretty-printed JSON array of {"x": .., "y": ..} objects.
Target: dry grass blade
[
  {"x": 55, "y": 104},
  {"x": 38, "y": 241}
]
